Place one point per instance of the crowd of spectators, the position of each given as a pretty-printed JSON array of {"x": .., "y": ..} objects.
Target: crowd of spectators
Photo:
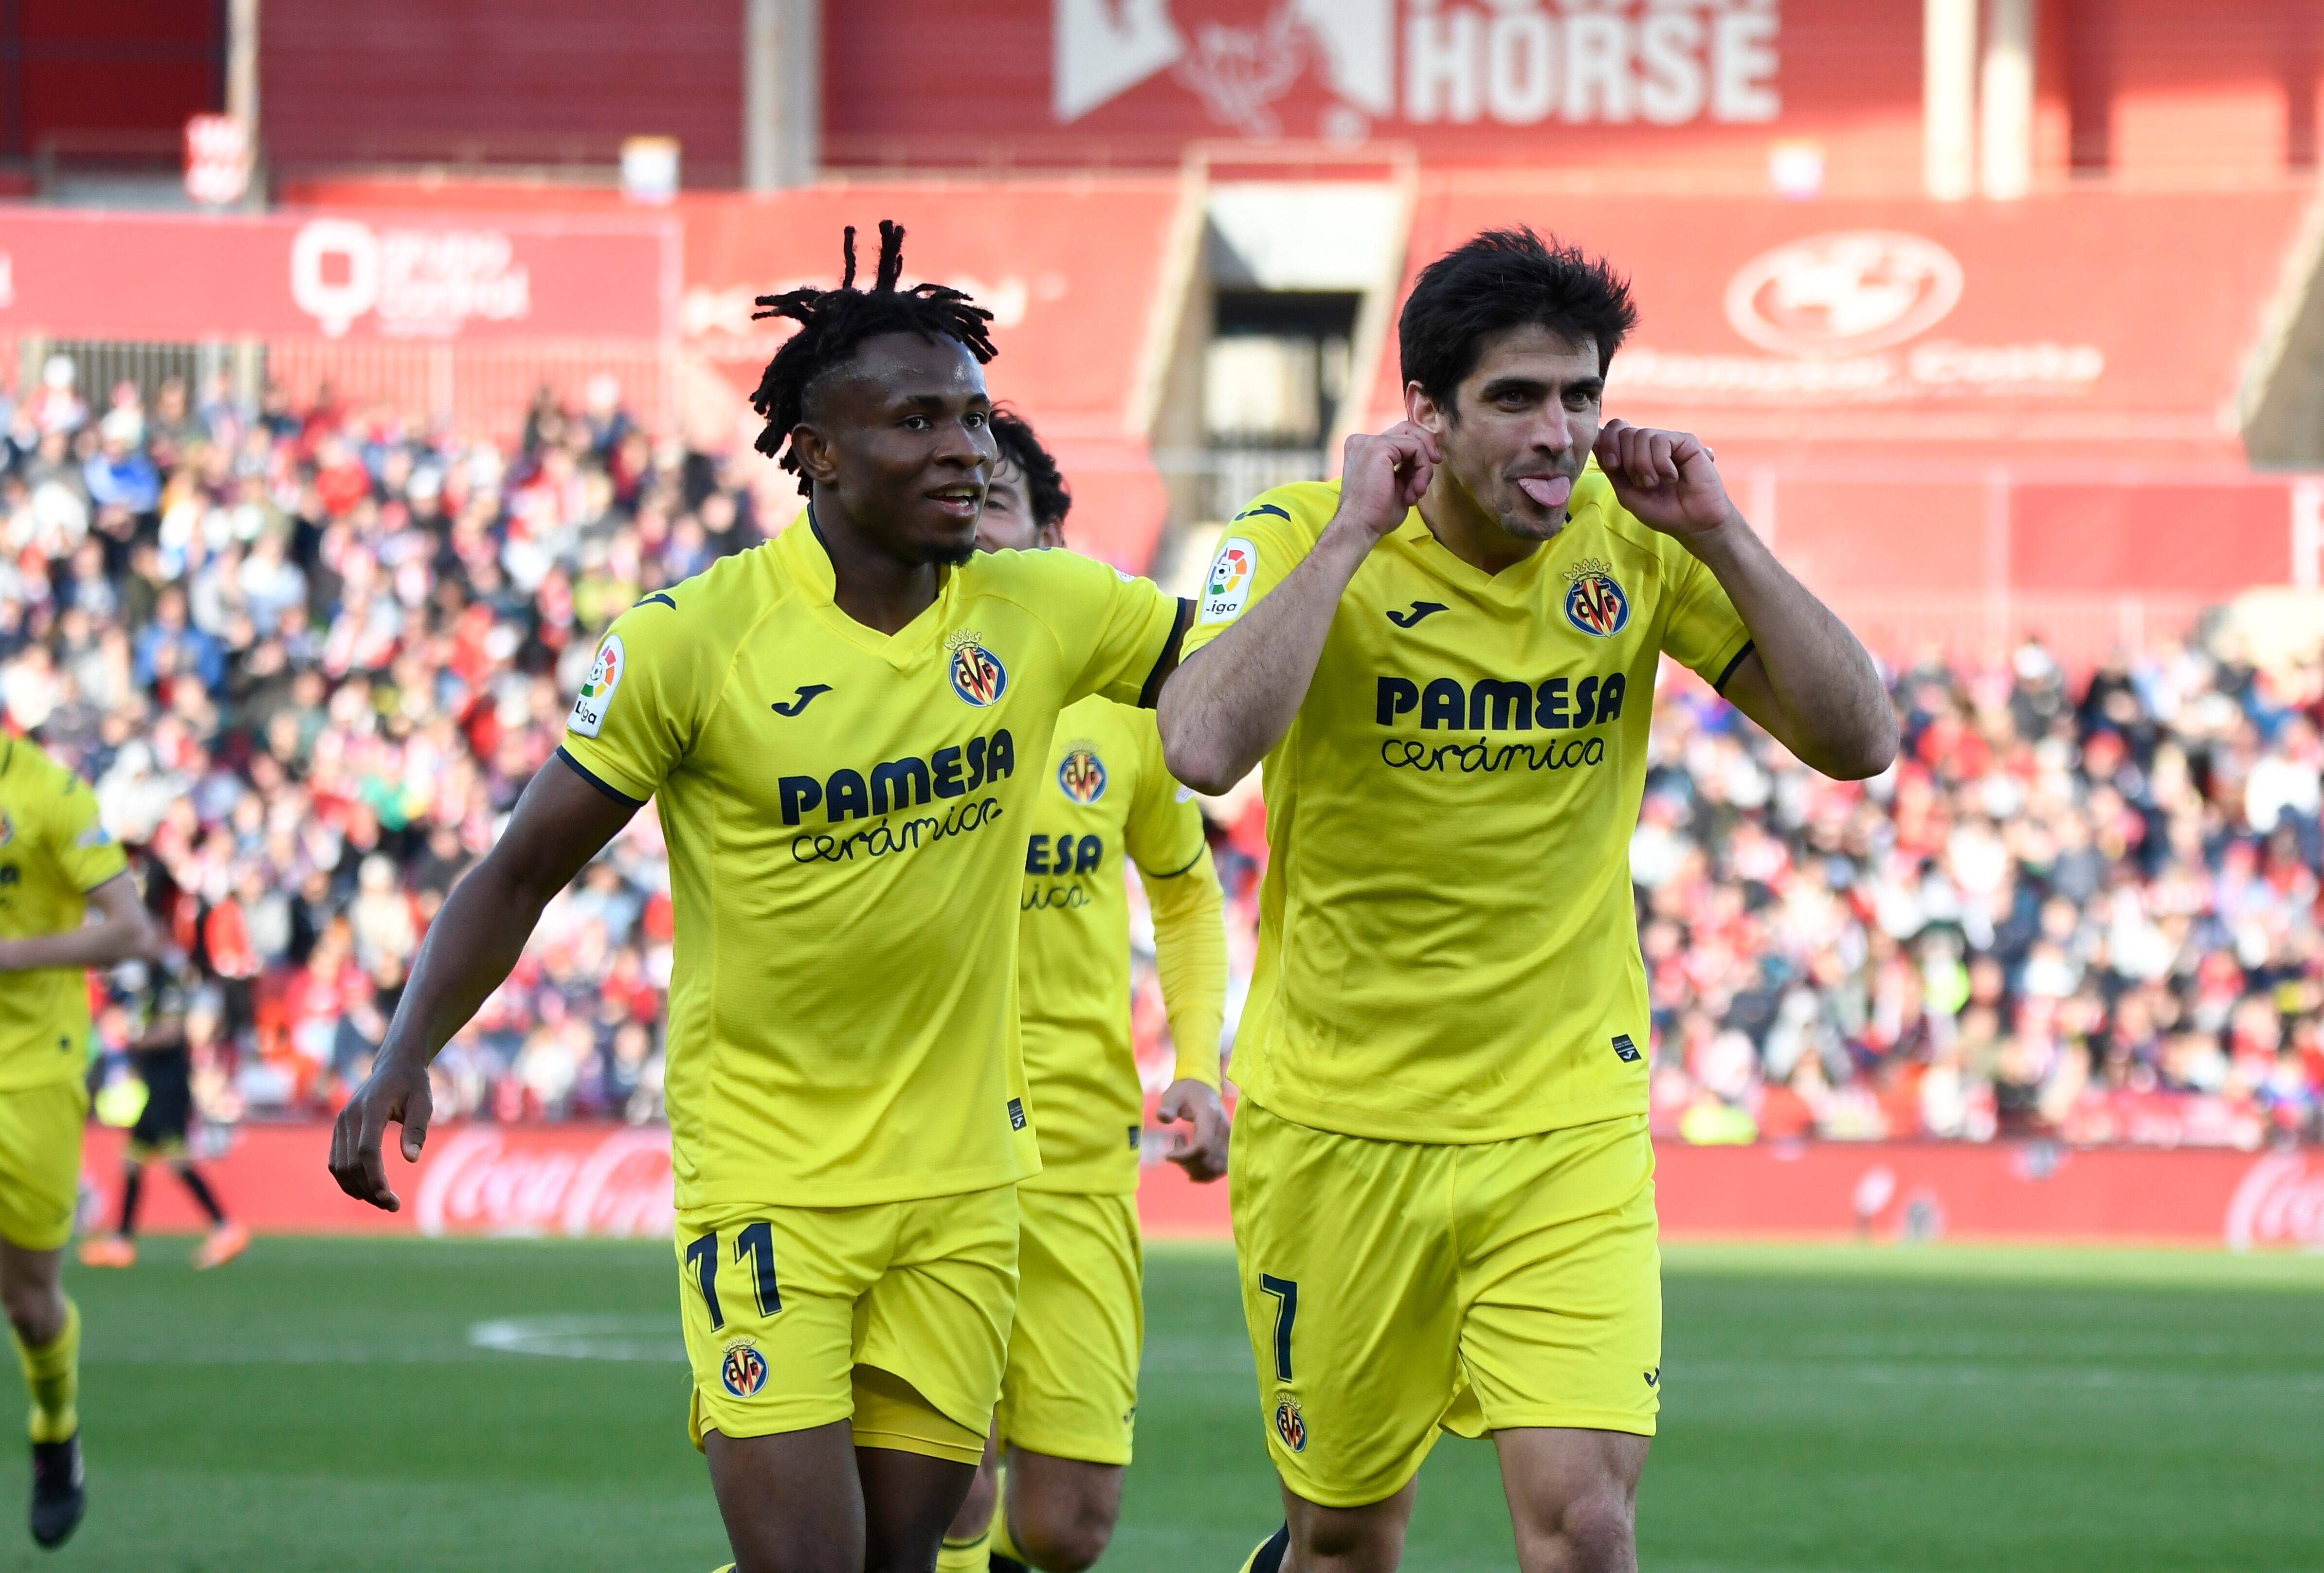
[{"x": 309, "y": 654}]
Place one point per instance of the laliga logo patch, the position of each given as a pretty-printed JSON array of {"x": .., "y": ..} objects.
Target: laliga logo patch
[
  {"x": 977, "y": 674},
  {"x": 1290, "y": 1424},
  {"x": 1081, "y": 774},
  {"x": 744, "y": 1371},
  {"x": 1594, "y": 603},
  {"x": 7, "y": 829},
  {"x": 605, "y": 676},
  {"x": 1229, "y": 585}
]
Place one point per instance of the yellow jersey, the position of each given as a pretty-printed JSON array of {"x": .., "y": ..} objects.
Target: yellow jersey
[
  {"x": 1104, "y": 801},
  {"x": 1448, "y": 951},
  {"x": 53, "y": 852},
  {"x": 846, "y": 814}
]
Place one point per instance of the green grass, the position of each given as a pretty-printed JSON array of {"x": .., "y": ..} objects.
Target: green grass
[{"x": 320, "y": 1406}]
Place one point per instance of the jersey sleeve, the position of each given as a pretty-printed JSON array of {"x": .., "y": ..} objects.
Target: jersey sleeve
[
  {"x": 83, "y": 849},
  {"x": 1164, "y": 831},
  {"x": 1704, "y": 632},
  {"x": 643, "y": 701},
  {"x": 1260, "y": 548},
  {"x": 1118, "y": 627}
]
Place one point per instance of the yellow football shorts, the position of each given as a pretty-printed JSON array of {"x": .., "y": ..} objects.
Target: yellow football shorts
[
  {"x": 1071, "y": 1391},
  {"x": 893, "y": 1316},
  {"x": 1395, "y": 1288},
  {"x": 40, "y": 1163}
]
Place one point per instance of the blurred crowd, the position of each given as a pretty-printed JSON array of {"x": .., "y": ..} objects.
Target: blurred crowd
[
  {"x": 309, "y": 653},
  {"x": 2083, "y": 910}
]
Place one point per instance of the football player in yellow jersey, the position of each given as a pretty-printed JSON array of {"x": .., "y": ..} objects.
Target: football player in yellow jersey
[
  {"x": 56, "y": 862},
  {"x": 1444, "y": 1200},
  {"x": 841, "y": 732},
  {"x": 1070, "y": 1396}
]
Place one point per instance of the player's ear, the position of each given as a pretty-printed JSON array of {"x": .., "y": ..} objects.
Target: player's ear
[
  {"x": 816, "y": 459},
  {"x": 1423, "y": 411}
]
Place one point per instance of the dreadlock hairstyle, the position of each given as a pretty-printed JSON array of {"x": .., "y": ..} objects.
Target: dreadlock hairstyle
[
  {"x": 833, "y": 323},
  {"x": 1045, "y": 489}
]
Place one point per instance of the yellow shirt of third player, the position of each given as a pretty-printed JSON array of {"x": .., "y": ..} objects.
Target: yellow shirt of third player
[
  {"x": 1447, "y": 946},
  {"x": 53, "y": 852},
  {"x": 1105, "y": 800},
  {"x": 846, "y": 812}
]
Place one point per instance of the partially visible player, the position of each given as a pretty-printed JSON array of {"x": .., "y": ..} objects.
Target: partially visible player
[
  {"x": 1443, "y": 1198},
  {"x": 163, "y": 1021},
  {"x": 56, "y": 863},
  {"x": 840, "y": 731},
  {"x": 1069, "y": 1400}
]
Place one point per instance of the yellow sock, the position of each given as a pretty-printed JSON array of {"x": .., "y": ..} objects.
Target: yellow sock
[
  {"x": 52, "y": 1376},
  {"x": 970, "y": 1556},
  {"x": 1002, "y": 1546}
]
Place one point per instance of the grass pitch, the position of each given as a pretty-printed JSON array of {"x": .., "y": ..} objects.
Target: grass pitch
[{"x": 504, "y": 1406}]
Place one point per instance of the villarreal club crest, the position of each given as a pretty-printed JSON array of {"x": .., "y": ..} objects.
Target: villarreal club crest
[
  {"x": 744, "y": 1370},
  {"x": 1080, "y": 774},
  {"x": 1594, "y": 603},
  {"x": 977, "y": 674},
  {"x": 1290, "y": 1424}
]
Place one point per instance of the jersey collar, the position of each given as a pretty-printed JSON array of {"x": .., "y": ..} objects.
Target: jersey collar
[{"x": 809, "y": 565}]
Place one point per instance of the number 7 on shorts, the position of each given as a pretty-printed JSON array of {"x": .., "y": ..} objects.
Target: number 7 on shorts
[{"x": 1285, "y": 1292}]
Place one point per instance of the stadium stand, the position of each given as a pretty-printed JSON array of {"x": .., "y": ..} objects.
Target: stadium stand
[{"x": 309, "y": 656}]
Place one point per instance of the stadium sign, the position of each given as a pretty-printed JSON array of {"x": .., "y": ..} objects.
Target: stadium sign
[
  {"x": 2280, "y": 1202},
  {"x": 559, "y": 1181}
]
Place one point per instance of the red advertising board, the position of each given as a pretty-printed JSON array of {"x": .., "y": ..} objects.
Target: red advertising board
[
  {"x": 1699, "y": 84},
  {"x": 1917, "y": 324},
  {"x": 369, "y": 276},
  {"x": 600, "y": 1180}
]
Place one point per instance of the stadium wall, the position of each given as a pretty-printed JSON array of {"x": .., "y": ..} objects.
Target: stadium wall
[{"x": 602, "y": 1180}]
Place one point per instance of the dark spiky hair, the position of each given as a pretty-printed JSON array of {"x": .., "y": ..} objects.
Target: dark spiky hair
[
  {"x": 833, "y": 323},
  {"x": 1500, "y": 280},
  {"x": 1045, "y": 492}
]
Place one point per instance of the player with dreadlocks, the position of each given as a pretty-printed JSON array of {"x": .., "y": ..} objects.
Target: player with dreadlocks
[{"x": 841, "y": 732}]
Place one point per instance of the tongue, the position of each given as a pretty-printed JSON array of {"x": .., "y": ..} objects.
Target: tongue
[{"x": 1549, "y": 491}]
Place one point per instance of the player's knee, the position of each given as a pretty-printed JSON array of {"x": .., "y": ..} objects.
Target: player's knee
[
  {"x": 1063, "y": 1537},
  {"x": 1347, "y": 1542},
  {"x": 36, "y": 1311},
  {"x": 1593, "y": 1533}
]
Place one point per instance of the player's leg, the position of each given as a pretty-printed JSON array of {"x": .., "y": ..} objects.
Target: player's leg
[
  {"x": 1561, "y": 1334},
  {"x": 767, "y": 1299},
  {"x": 931, "y": 1336},
  {"x": 39, "y": 1182},
  {"x": 1069, "y": 1401},
  {"x": 119, "y": 1248},
  {"x": 1574, "y": 1497},
  {"x": 1348, "y": 1263},
  {"x": 968, "y": 1540},
  {"x": 792, "y": 1501},
  {"x": 226, "y": 1238}
]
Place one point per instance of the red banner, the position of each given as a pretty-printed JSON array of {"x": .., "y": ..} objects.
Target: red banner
[
  {"x": 1699, "y": 85},
  {"x": 597, "y": 1180},
  {"x": 188, "y": 276}
]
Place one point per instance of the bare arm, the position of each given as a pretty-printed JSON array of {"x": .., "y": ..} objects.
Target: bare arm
[
  {"x": 1806, "y": 680},
  {"x": 1224, "y": 708},
  {"x": 123, "y": 930},
  {"x": 560, "y": 823}
]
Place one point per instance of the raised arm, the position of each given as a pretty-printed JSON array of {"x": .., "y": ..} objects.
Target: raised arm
[
  {"x": 1227, "y": 705},
  {"x": 560, "y": 824},
  {"x": 122, "y": 929},
  {"x": 1806, "y": 679}
]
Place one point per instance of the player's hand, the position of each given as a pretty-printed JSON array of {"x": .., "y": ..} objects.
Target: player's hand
[
  {"x": 1382, "y": 477},
  {"x": 396, "y": 1093},
  {"x": 1203, "y": 1152},
  {"x": 1666, "y": 478}
]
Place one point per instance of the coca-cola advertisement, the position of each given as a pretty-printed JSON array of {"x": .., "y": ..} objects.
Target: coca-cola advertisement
[{"x": 614, "y": 1182}]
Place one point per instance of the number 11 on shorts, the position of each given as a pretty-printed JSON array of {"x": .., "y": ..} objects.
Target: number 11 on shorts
[{"x": 1285, "y": 1292}]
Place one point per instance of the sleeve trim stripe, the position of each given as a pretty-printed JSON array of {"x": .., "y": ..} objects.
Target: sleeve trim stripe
[
  {"x": 1181, "y": 869},
  {"x": 1719, "y": 687},
  {"x": 1151, "y": 693},
  {"x": 599, "y": 782}
]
